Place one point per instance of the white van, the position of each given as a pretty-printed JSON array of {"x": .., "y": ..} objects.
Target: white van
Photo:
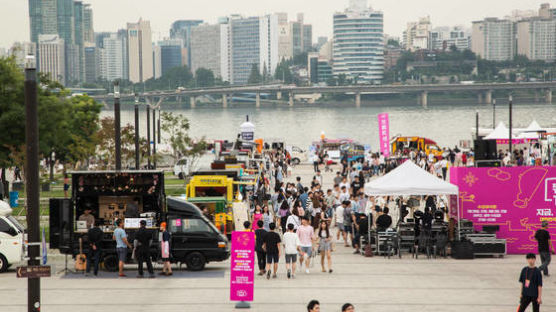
[
  {"x": 181, "y": 168},
  {"x": 11, "y": 238}
]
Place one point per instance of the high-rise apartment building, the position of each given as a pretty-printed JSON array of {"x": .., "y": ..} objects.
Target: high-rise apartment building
[
  {"x": 206, "y": 47},
  {"x": 294, "y": 37},
  {"x": 252, "y": 41},
  {"x": 417, "y": 34},
  {"x": 88, "y": 30},
  {"x": 157, "y": 62},
  {"x": 91, "y": 63},
  {"x": 64, "y": 18},
  {"x": 51, "y": 57},
  {"x": 536, "y": 38},
  {"x": 443, "y": 38},
  {"x": 547, "y": 12},
  {"x": 111, "y": 58},
  {"x": 358, "y": 50},
  {"x": 20, "y": 50},
  {"x": 181, "y": 29},
  {"x": 140, "y": 51},
  {"x": 170, "y": 54},
  {"x": 493, "y": 39}
]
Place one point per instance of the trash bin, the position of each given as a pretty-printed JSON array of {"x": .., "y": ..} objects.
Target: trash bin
[{"x": 14, "y": 197}]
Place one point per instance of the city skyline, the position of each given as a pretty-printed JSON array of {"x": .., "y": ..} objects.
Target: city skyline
[{"x": 109, "y": 16}]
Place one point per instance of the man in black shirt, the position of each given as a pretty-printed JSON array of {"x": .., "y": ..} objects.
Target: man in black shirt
[
  {"x": 271, "y": 243},
  {"x": 426, "y": 220},
  {"x": 545, "y": 244},
  {"x": 355, "y": 185},
  {"x": 531, "y": 285},
  {"x": 261, "y": 254},
  {"x": 144, "y": 237},
  {"x": 95, "y": 236},
  {"x": 384, "y": 221}
]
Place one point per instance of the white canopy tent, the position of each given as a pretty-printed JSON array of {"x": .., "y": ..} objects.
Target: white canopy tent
[
  {"x": 532, "y": 131},
  {"x": 409, "y": 179},
  {"x": 501, "y": 132}
]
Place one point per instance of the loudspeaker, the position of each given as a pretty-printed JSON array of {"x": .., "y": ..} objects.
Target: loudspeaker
[
  {"x": 61, "y": 223},
  {"x": 462, "y": 250},
  {"x": 485, "y": 149}
]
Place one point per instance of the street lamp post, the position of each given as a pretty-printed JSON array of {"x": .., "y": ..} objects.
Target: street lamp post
[
  {"x": 136, "y": 132},
  {"x": 158, "y": 125},
  {"x": 148, "y": 137},
  {"x": 511, "y": 125},
  {"x": 117, "y": 141},
  {"x": 154, "y": 138},
  {"x": 493, "y": 113},
  {"x": 32, "y": 180}
]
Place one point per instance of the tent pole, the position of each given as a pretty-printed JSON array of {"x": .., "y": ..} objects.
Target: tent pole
[{"x": 459, "y": 219}]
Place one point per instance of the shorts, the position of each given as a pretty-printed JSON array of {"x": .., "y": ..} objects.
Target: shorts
[
  {"x": 122, "y": 253},
  {"x": 66, "y": 187},
  {"x": 347, "y": 228},
  {"x": 307, "y": 250},
  {"x": 340, "y": 226},
  {"x": 291, "y": 258},
  {"x": 271, "y": 258}
]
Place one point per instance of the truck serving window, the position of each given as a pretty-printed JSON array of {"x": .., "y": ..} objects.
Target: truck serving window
[{"x": 189, "y": 226}]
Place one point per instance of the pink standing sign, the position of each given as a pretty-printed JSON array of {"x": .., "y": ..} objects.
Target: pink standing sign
[
  {"x": 242, "y": 274},
  {"x": 384, "y": 134},
  {"x": 517, "y": 199}
]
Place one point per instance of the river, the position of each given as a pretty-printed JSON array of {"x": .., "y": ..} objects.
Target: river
[{"x": 446, "y": 124}]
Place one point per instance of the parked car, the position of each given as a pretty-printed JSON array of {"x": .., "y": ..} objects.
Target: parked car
[
  {"x": 12, "y": 235},
  {"x": 298, "y": 155},
  {"x": 181, "y": 168}
]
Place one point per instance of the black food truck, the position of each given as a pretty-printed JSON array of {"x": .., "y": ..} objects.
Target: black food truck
[{"x": 133, "y": 196}]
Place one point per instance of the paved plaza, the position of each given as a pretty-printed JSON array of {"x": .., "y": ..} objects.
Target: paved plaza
[{"x": 371, "y": 284}]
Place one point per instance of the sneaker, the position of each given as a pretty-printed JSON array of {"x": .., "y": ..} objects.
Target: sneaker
[
  {"x": 268, "y": 274},
  {"x": 122, "y": 275},
  {"x": 356, "y": 252},
  {"x": 260, "y": 274},
  {"x": 306, "y": 271},
  {"x": 330, "y": 271},
  {"x": 274, "y": 276},
  {"x": 289, "y": 273}
]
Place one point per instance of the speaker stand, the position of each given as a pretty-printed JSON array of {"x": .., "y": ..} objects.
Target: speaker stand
[{"x": 65, "y": 270}]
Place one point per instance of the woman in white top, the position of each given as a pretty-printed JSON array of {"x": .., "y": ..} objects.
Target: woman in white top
[{"x": 294, "y": 219}]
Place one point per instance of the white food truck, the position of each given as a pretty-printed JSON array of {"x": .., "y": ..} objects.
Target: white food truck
[{"x": 12, "y": 235}]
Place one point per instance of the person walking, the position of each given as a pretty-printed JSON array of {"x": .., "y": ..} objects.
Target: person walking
[
  {"x": 257, "y": 215},
  {"x": 306, "y": 235},
  {"x": 291, "y": 247},
  {"x": 348, "y": 307},
  {"x": 531, "y": 285},
  {"x": 66, "y": 185},
  {"x": 294, "y": 219},
  {"x": 271, "y": 244},
  {"x": 267, "y": 218},
  {"x": 325, "y": 245},
  {"x": 144, "y": 237},
  {"x": 545, "y": 245},
  {"x": 165, "y": 250},
  {"x": 259, "y": 241},
  {"x": 95, "y": 236},
  {"x": 121, "y": 246}
]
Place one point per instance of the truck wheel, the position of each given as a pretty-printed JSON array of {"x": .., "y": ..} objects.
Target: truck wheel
[
  {"x": 296, "y": 161},
  {"x": 110, "y": 263},
  {"x": 195, "y": 261},
  {"x": 180, "y": 176},
  {"x": 3, "y": 264}
]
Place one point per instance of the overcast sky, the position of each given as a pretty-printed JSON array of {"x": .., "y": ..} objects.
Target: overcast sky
[{"x": 109, "y": 15}]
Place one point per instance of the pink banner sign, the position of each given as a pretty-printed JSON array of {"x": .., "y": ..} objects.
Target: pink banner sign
[
  {"x": 384, "y": 134},
  {"x": 242, "y": 274},
  {"x": 517, "y": 199}
]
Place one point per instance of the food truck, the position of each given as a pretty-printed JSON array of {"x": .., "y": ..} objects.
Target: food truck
[
  {"x": 12, "y": 236},
  {"x": 405, "y": 144},
  {"x": 133, "y": 196}
]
